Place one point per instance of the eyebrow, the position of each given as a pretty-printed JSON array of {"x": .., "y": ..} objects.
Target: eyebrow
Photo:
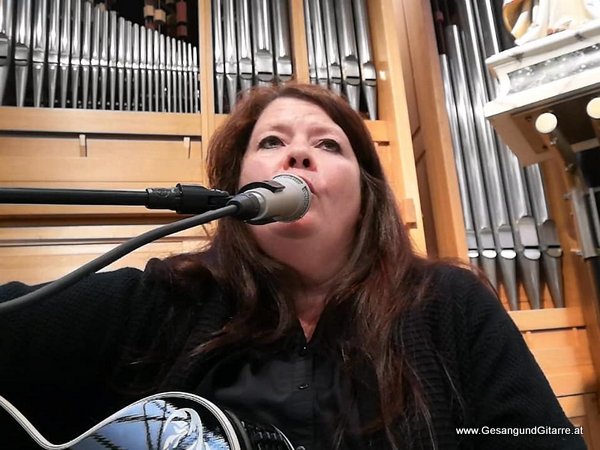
[{"x": 315, "y": 126}]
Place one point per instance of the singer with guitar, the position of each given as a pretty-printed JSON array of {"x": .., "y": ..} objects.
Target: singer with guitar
[{"x": 328, "y": 327}]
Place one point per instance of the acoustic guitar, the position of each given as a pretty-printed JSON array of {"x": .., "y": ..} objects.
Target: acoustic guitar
[{"x": 167, "y": 421}]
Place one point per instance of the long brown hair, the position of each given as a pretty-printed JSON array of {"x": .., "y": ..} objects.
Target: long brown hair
[{"x": 381, "y": 280}]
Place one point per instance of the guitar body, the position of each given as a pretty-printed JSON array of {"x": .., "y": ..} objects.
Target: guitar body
[{"x": 167, "y": 421}]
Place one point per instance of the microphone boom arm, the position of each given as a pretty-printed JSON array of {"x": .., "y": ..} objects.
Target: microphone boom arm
[{"x": 184, "y": 199}]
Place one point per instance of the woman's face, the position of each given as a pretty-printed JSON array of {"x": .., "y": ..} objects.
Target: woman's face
[{"x": 298, "y": 137}]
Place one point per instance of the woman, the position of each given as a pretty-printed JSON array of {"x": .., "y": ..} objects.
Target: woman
[{"x": 330, "y": 327}]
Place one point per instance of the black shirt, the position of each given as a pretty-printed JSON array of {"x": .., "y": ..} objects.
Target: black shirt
[{"x": 296, "y": 385}]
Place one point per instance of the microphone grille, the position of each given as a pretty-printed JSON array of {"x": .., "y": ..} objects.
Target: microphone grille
[{"x": 298, "y": 190}]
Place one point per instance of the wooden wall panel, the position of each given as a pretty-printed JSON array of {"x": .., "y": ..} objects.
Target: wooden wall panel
[
  {"x": 39, "y": 254},
  {"x": 88, "y": 121},
  {"x": 27, "y": 146}
]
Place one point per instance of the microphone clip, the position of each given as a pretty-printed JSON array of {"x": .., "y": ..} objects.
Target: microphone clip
[
  {"x": 270, "y": 185},
  {"x": 186, "y": 199}
]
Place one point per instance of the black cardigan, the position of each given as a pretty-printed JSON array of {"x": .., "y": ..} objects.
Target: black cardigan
[{"x": 66, "y": 354}]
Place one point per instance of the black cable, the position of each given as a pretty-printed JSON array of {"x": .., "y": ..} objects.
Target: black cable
[{"x": 114, "y": 254}]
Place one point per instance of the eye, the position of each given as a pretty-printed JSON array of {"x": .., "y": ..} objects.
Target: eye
[
  {"x": 330, "y": 145},
  {"x": 270, "y": 142}
]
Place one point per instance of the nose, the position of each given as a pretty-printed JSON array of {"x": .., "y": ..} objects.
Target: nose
[{"x": 299, "y": 159}]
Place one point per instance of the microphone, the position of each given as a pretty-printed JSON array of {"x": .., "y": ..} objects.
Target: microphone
[{"x": 285, "y": 198}]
